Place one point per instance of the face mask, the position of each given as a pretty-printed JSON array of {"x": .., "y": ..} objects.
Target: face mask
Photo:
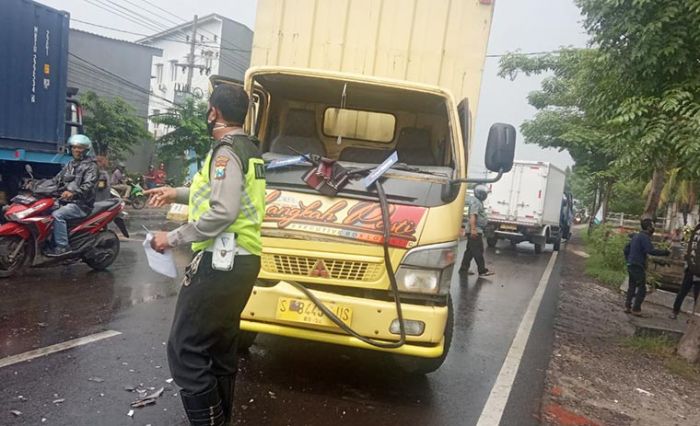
[{"x": 210, "y": 124}]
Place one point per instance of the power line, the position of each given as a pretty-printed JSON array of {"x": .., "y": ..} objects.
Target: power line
[
  {"x": 151, "y": 12},
  {"x": 120, "y": 14},
  {"x": 545, "y": 52}
]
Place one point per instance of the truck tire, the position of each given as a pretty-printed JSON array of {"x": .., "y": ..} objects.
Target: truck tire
[
  {"x": 491, "y": 242},
  {"x": 421, "y": 366},
  {"x": 538, "y": 248},
  {"x": 246, "y": 340}
]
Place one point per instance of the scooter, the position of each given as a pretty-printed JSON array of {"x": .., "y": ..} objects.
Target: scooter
[
  {"x": 28, "y": 224},
  {"x": 136, "y": 199}
]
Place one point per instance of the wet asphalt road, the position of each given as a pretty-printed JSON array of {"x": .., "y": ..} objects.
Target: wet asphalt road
[{"x": 281, "y": 381}]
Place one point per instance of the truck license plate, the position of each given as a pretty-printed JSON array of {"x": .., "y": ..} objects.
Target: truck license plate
[
  {"x": 507, "y": 227},
  {"x": 306, "y": 311}
]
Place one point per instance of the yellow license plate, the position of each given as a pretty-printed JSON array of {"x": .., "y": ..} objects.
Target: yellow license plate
[
  {"x": 509, "y": 227},
  {"x": 306, "y": 311}
]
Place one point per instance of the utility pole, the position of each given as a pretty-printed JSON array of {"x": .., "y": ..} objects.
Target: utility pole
[{"x": 190, "y": 59}]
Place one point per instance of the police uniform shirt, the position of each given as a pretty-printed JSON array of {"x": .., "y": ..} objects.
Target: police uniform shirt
[{"x": 224, "y": 202}]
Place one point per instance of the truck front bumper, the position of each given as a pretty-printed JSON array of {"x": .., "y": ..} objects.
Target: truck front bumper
[{"x": 370, "y": 318}]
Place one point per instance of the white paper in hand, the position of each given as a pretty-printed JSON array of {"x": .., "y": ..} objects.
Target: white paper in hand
[{"x": 163, "y": 263}]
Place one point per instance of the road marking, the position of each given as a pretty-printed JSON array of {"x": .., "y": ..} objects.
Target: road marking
[
  {"x": 36, "y": 353},
  {"x": 496, "y": 404}
]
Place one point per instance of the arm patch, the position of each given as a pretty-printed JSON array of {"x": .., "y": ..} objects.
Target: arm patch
[{"x": 220, "y": 167}]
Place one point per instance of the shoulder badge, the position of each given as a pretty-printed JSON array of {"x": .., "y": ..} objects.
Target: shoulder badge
[{"x": 220, "y": 166}]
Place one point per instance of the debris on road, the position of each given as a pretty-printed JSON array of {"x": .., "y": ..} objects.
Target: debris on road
[
  {"x": 16, "y": 413},
  {"x": 644, "y": 392},
  {"x": 96, "y": 379},
  {"x": 130, "y": 413},
  {"x": 148, "y": 400},
  {"x": 22, "y": 398},
  {"x": 169, "y": 381},
  {"x": 129, "y": 388},
  {"x": 58, "y": 401}
]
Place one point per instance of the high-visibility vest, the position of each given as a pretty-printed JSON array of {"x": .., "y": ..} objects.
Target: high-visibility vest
[{"x": 250, "y": 216}]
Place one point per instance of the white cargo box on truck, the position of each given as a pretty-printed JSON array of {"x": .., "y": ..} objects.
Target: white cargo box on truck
[
  {"x": 525, "y": 205},
  {"x": 435, "y": 42}
]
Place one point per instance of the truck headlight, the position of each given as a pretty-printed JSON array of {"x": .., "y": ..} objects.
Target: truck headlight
[{"x": 427, "y": 269}]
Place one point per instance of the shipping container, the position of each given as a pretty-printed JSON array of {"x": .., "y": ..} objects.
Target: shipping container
[
  {"x": 33, "y": 79},
  {"x": 525, "y": 205},
  {"x": 440, "y": 43}
]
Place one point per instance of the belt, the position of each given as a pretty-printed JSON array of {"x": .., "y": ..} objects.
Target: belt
[{"x": 240, "y": 251}]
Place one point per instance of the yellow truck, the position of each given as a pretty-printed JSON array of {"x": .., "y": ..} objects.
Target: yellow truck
[{"x": 363, "y": 83}]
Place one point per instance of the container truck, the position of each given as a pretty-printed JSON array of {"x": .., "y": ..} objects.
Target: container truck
[
  {"x": 360, "y": 82},
  {"x": 526, "y": 205},
  {"x": 37, "y": 112}
]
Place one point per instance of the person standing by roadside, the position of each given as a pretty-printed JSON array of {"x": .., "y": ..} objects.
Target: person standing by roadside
[
  {"x": 474, "y": 228},
  {"x": 636, "y": 252},
  {"x": 226, "y": 208},
  {"x": 150, "y": 177},
  {"x": 692, "y": 269}
]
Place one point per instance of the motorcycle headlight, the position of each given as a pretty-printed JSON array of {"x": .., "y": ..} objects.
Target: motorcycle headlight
[{"x": 427, "y": 269}]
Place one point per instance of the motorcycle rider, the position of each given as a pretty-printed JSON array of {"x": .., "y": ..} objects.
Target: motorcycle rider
[
  {"x": 119, "y": 180},
  {"x": 78, "y": 180}
]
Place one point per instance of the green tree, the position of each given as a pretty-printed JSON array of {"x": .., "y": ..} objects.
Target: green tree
[
  {"x": 188, "y": 132},
  {"x": 112, "y": 125},
  {"x": 652, "y": 49}
]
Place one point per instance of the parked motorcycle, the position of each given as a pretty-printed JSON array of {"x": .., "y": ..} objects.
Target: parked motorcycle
[{"x": 27, "y": 227}]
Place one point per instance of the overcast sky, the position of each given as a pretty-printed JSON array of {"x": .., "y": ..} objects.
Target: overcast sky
[{"x": 525, "y": 25}]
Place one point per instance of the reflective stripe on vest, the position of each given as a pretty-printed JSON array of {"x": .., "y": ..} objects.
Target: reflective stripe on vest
[{"x": 252, "y": 208}]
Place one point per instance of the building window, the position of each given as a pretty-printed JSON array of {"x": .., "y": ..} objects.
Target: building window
[
  {"x": 156, "y": 112},
  {"x": 216, "y": 37},
  {"x": 201, "y": 37},
  {"x": 173, "y": 70},
  {"x": 159, "y": 73}
]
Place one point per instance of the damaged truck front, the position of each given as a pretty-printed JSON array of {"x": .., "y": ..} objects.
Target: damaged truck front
[{"x": 373, "y": 84}]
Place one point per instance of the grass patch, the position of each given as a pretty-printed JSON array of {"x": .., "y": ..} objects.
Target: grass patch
[
  {"x": 607, "y": 261},
  {"x": 665, "y": 349}
]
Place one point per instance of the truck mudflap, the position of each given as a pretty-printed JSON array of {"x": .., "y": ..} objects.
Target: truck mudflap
[{"x": 267, "y": 312}]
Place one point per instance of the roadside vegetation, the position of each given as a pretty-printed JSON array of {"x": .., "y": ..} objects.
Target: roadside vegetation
[
  {"x": 664, "y": 350},
  {"x": 606, "y": 262}
]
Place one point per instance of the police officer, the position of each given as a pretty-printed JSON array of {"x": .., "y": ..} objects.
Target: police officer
[
  {"x": 474, "y": 227},
  {"x": 226, "y": 203}
]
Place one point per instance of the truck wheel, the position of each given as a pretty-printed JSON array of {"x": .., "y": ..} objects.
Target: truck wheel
[
  {"x": 246, "y": 340},
  {"x": 491, "y": 242},
  {"x": 420, "y": 366},
  {"x": 105, "y": 251},
  {"x": 538, "y": 248}
]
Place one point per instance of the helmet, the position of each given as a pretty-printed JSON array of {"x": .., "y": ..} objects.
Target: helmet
[
  {"x": 481, "y": 192},
  {"x": 80, "y": 140}
]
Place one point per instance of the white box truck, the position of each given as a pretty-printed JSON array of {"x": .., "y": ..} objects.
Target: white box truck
[{"x": 525, "y": 205}]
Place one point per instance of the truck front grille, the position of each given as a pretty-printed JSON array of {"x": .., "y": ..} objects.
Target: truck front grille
[{"x": 302, "y": 266}]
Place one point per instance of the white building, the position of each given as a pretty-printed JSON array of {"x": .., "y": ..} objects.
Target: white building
[{"x": 222, "y": 46}]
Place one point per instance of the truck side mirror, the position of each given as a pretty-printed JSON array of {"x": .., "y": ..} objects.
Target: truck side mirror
[{"x": 500, "y": 148}]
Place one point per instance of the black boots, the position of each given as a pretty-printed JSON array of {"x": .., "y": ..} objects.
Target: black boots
[
  {"x": 205, "y": 408},
  {"x": 226, "y": 384}
]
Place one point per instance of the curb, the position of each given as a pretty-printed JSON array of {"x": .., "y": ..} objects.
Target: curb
[{"x": 664, "y": 298}]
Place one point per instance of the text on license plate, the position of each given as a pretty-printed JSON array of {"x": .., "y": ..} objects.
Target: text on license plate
[
  {"x": 306, "y": 311},
  {"x": 509, "y": 227}
]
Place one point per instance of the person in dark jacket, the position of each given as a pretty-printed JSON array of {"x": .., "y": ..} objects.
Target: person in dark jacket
[
  {"x": 77, "y": 181},
  {"x": 102, "y": 192},
  {"x": 636, "y": 253},
  {"x": 689, "y": 281}
]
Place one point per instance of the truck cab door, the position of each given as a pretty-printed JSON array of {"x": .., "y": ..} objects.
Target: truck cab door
[{"x": 257, "y": 109}]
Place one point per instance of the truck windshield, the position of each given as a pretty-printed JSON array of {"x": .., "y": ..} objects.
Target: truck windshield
[{"x": 359, "y": 123}]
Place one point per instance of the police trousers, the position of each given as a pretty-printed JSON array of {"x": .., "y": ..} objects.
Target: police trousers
[{"x": 203, "y": 339}]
